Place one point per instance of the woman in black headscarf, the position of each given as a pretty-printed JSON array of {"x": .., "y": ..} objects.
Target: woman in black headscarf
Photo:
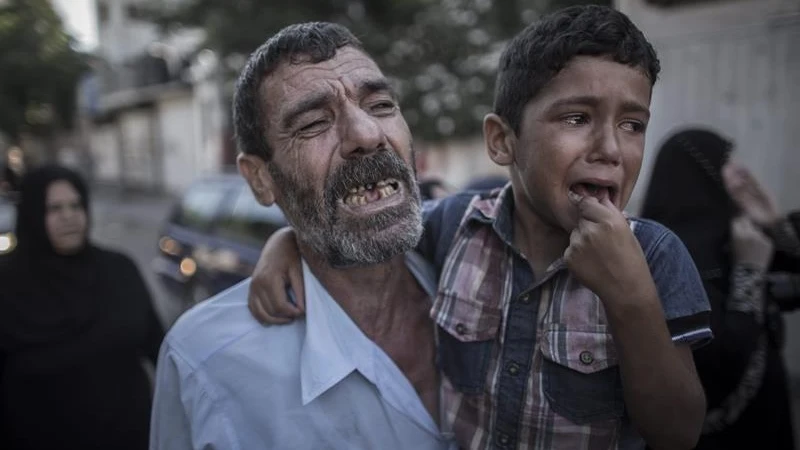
[
  {"x": 737, "y": 240},
  {"x": 76, "y": 322}
]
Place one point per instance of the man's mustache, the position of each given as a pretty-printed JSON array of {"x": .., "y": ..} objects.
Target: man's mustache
[{"x": 364, "y": 170}]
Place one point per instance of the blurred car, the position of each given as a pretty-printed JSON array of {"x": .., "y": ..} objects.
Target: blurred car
[
  {"x": 213, "y": 238},
  {"x": 8, "y": 217}
]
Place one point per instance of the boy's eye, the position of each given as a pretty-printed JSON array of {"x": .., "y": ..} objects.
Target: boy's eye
[{"x": 633, "y": 126}]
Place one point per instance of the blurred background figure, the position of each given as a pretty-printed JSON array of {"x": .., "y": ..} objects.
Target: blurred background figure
[
  {"x": 486, "y": 183},
  {"x": 432, "y": 188},
  {"x": 75, "y": 323},
  {"x": 739, "y": 243},
  {"x": 13, "y": 169}
]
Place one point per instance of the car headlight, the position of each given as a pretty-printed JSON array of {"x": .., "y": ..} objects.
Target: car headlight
[
  {"x": 7, "y": 242},
  {"x": 169, "y": 246}
]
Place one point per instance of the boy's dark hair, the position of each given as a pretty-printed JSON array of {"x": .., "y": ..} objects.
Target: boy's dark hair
[
  {"x": 543, "y": 48},
  {"x": 312, "y": 42}
]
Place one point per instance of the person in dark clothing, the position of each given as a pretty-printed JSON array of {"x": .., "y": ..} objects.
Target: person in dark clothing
[
  {"x": 743, "y": 249},
  {"x": 75, "y": 323}
]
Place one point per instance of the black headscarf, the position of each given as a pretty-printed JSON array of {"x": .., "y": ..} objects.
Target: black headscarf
[
  {"x": 45, "y": 295},
  {"x": 687, "y": 195}
]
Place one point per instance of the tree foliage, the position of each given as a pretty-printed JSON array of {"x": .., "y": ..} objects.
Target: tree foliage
[
  {"x": 39, "y": 69},
  {"x": 442, "y": 54}
]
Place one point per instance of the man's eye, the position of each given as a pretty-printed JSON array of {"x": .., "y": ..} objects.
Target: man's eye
[
  {"x": 576, "y": 119},
  {"x": 313, "y": 126},
  {"x": 383, "y": 107}
]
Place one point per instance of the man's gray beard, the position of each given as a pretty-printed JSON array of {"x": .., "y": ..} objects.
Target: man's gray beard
[{"x": 351, "y": 242}]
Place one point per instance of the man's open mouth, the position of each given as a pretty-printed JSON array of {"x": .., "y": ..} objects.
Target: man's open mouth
[{"x": 371, "y": 192}]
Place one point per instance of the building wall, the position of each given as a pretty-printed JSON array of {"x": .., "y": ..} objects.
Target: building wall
[
  {"x": 459, "y": 162},
  {"x": 120, "y": 36},
  {"x": 180, "y": 149},
  {"x": 138, "y": 152},
  {"x": 105, "y": 153},
  {"x": 163, "y": 146},
  {"x": 732, "y": 66}
]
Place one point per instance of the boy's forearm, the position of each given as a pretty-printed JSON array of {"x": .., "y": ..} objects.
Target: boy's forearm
[{"x": 663, "y": 394}]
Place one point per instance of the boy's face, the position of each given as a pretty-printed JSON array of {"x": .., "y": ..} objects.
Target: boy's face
[{"x": 584, "y": 132}]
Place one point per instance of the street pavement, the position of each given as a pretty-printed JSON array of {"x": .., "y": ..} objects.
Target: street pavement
[{"x": 131, "y": 223}]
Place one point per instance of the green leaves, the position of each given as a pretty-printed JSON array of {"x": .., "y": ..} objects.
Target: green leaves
[
  {"x": 441, "y": 53},
  {"x": 39, "y": 68}
]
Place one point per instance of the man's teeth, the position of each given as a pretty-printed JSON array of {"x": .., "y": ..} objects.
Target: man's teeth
[{"x": 359, "y": 195}]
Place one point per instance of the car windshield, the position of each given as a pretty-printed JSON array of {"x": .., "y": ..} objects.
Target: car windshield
[
  {"x": 200, "y": 205},
  {"x": 247, "y": 221}
]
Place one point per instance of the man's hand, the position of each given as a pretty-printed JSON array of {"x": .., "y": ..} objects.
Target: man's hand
[
  {"x": 278, "y": 266},
  {"x": 748, "y": 194},
  {"x": 603, "y": 254}
]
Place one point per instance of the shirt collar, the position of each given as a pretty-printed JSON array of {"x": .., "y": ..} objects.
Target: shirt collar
[
  {"x": 334, "y": 346},
  {"x": 495, "y": 209}
]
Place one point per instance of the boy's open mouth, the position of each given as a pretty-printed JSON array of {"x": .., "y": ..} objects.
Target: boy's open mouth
[{"x": 597, "y": 189}]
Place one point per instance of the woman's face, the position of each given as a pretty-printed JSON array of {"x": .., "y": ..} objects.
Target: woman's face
[{"x": 65, "y": 218}]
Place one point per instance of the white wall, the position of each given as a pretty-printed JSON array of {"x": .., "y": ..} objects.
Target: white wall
[
  {"x": 105, "y": 152},
  {"x": 458, "y": 162},
  {"x": 735, "y": 66},
  {"x": 120, "y": 37},
  {"x": 176, "y": 121},
  {"x": 138, "y": 152},
  {"x": 190, "y": 125}
]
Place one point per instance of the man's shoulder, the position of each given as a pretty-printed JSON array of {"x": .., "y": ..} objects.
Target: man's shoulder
[{"x": 217, "y": 324}]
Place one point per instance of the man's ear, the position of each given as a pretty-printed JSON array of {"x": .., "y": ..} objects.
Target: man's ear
[
  {"x": 500, "y": 139},
  {"x": 254, "y": 169}
]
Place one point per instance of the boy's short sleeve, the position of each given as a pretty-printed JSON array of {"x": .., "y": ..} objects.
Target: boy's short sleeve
[{"x": 680, "y": 288}]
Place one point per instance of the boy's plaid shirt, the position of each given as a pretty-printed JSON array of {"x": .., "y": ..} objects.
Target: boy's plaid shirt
[{"x": 572, "y": 393}]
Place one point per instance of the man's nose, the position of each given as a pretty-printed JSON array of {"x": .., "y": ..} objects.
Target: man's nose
[{"x": 362, "y": 134}]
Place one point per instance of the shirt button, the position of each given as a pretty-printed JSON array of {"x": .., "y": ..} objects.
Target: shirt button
[
  {"x": 525, "y": 298},
  {"x": 512, "y": 369},
  {"x": 461, "y": 328},
  {"x": 586, "y": 357}
]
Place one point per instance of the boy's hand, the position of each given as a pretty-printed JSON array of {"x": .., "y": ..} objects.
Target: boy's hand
[
  {"x": 278, "y": 266},
  {"x": 603, "y": 254}
]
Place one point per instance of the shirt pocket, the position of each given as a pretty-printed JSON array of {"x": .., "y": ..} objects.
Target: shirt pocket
[
  {"x": 466, "y": 340},
  {"x": 581, "y": 377}
]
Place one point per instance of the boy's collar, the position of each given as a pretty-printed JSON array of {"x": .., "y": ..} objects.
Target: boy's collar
[{"x": 495, "y": 208}]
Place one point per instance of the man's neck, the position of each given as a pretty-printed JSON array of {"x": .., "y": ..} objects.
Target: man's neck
[
  {"x": 540, "y": 242},
  {"x": 376, "y": 297}
]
